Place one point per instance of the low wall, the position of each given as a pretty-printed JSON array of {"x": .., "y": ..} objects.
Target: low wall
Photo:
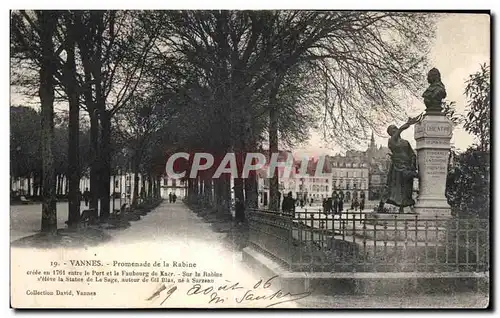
[{"x": 365, "y": 283}]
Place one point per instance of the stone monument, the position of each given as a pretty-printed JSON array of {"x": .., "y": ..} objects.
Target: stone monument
[{"x": 433, "y": 134}]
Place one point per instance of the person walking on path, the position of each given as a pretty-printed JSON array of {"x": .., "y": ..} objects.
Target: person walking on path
[
  {"x": 170, "y": 197},
  {"x": 174, "y": 198}
]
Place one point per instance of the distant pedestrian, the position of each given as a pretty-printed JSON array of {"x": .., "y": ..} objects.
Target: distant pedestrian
[
  {"x": 335, "y": 200},
  {"x": 329, "y": 205},
  {"x": 362, "y": 202},
  {"x": 340, "y": 205},
  {"x": 355, "y": 204},
  {"x": 311, "y": 202},
  {"x": 174, "y": 198},
  {"x": 86, "y": 196},
  {"x": 170, "y": 197},
  {"x": 288, "y": 205}
]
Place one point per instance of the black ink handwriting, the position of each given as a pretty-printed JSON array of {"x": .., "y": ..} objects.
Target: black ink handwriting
[
  {"x": 251, "y": 294},
  {"x": 157, "y": 292},
  {"x": 160, "y": 290}
]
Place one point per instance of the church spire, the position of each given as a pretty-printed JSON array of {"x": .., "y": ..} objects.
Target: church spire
[{"x": 372, "y": 142}]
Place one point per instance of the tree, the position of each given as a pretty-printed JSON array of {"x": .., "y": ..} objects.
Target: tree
[
  {"x": 366, "y": 61},
  {"x": 73, "y": 92},
  {"x": 141, "y": 122},
  {"x": 477, "y": 92},
  {"x": 48, "y": 23},
  {"x": 468, "y": 183},
  {"x": 114, "y": 57},
  {"x": 25, "y": 142},
  {"x": 450, "y": 111},
  {"x": 26, "y": 44}
]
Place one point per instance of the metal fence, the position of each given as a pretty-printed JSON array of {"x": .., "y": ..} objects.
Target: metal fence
[{"x": 368, "y": 242}]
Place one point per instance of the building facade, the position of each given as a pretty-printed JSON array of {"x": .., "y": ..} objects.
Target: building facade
[
  {"x": 350, "y": 174},
  {"x": 354, "y": 173},
  {"x": 174, "y": 186},
  {"x": 379, "y": 163}
]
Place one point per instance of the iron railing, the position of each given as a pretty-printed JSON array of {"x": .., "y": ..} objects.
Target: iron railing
[{"x": 366, "y": 242}]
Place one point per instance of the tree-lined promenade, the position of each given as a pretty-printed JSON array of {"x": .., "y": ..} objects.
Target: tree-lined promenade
[{"x": 140, "y": 86}]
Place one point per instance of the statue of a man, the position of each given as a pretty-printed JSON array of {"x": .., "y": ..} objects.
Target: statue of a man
[
  {"x": 403, "y": 169},
  {"x": 435, "y": 93}
]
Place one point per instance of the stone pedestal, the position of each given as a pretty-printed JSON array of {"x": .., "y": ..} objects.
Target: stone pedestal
[{"x": 433, "y": 135}]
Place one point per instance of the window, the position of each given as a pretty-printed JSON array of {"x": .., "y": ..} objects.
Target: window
[
  {"x": 174, "y": 183},
  {"x": 116, "y": 184},
  {"x": 165, "y": 181},
  {"x": 326, "y": 188}
]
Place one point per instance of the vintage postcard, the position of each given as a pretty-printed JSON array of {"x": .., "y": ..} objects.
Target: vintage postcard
[{"x": 249, "y": 159}]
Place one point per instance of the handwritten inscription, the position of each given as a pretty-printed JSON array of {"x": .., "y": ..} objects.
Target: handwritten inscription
[{"x": 218, "y": 294}]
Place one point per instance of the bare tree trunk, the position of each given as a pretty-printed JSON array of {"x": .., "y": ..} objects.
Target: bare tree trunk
[
  {"x": 29, "y": 184},
  {"x": 94, "y": 166},
  {"x": 150, "y": 186},
  {"x": 208, "y": 192},
  {"x": 74, "y": 129},
  {"x": 158, "y": 187},
  {"x": 105, "y": 177},
  {"x": 273, "y": 147},
  {"x": 143, "y": 190},
  {"x": 136, "y": 182},
  {"x": 48, "y": 22},
  {"x": 218, "y": 193},
  {"x": 251, "y": 199}
]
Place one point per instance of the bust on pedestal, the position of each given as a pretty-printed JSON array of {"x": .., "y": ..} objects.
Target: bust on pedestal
[{"x": 433, "y": 134}]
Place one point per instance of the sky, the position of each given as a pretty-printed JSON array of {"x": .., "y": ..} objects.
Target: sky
[{"x": 461, "y": 44}]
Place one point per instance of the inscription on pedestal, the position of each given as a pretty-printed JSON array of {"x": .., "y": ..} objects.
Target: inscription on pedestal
[
  {"x": 438, "y": 142},
  {"x": 435, "y": 163},
  {"x": 429, "y": 129}
]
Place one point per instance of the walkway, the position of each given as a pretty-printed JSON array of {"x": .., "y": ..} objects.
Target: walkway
[{"x": 172, "y": 234}]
